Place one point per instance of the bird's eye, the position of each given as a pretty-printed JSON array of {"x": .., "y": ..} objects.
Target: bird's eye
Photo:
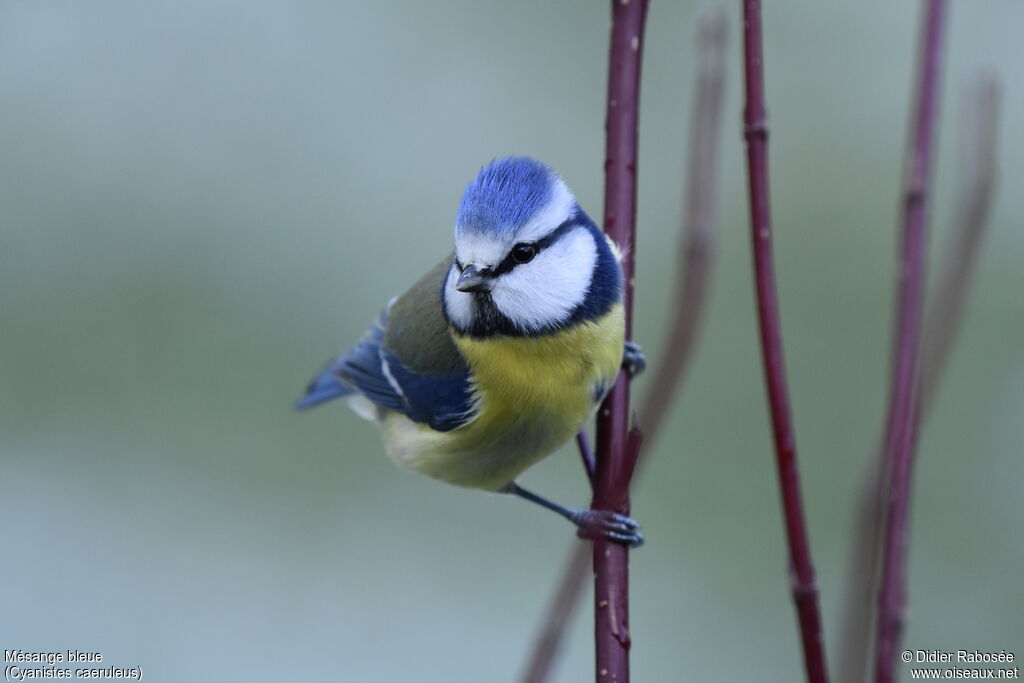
[{"x": 523, "y": 253}]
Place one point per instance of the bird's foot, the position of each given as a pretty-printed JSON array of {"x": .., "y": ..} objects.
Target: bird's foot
[
  {"x": 591, "y": 524},
  {"x": 633, "y": 359},
  {"x": 607, "y": 525}
]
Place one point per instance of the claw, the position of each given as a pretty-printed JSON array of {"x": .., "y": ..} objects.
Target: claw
[
  {"x": 608, "y": 525},
  {"x": 633, "y": 360},
  {"x": 634, "y": 540}
]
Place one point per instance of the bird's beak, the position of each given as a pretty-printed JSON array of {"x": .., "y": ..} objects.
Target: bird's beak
[{"x": 473, "y": 280}]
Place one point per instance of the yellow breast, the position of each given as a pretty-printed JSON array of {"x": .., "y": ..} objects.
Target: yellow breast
[{"x": 533, "y": 394}]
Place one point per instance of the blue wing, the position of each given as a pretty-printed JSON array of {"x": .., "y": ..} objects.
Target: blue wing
[{"x": 371, "y": 369}]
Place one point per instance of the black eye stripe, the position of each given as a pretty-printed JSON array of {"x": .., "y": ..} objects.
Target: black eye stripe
[
  {"x": 508, "y": 263},
  {"x": 557, "y": 233}
]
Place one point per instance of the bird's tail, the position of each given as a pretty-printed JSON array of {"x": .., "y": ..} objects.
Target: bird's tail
[{"x": 326, "y": 386}]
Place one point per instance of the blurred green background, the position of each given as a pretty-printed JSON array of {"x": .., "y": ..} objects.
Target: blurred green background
[{"x": 201, "y": 201}]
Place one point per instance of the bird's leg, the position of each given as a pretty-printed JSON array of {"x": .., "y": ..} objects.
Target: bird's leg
[
  {"x": 592, "y": 524},
  {"x": 633, "y": 359}
]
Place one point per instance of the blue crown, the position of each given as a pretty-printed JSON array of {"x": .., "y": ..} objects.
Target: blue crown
[{"x": 504, "y": 196}]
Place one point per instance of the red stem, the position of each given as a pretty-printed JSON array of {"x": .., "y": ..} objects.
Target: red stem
[
  {"x": 805, "y": 590},
  {"x": 617, "y": 447},
  {"x": 697, "y": 248},
  {"x": 903, "y": 418}
]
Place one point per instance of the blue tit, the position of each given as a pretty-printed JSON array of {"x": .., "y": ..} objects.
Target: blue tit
[{"x": 503, "y": 351}]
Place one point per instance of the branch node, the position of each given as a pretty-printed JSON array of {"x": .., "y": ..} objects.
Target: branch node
[
  {"x": 903, "y": 415},
  {"x": 755, "y": 132},
  {"x": 756, "y": 129}
]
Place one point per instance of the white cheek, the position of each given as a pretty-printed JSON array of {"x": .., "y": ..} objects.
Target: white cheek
[
  {"x": 545, "y": 291},
  {"x": 458, "y": 305}
]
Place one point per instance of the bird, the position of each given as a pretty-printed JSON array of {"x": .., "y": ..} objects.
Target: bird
[{"x": 501, "y": 352}]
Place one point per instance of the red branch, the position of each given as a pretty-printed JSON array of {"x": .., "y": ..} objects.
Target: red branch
[
  {"x": 805, "y": 590},
  {"x": 617, "y": 446},
  {"x": 903, "y": 418},
  {"x": 697, "y": 247}
]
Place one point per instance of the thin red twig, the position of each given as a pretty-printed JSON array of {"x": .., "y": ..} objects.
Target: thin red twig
[
  {"x": 903, "y": 416},
  {"x": 587, "y": 456},
  {"x": 617, "y": 445},
  {"x": 563, "y": 605},
  {"x": 698, "y": 240},
  {"x": 556, "y": 619},
  {"x": 979, "y": 125},
  {"x": 977, "y": 166},
  {"x": 865, "y": 551},
  {"x": 805, "y": 590},
  {"x": 697, "y": 247}
]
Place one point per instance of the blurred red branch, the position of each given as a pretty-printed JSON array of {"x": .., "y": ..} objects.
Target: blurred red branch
[
  {"x": 755, "y": 119},
  {"x": 698, "y": 241},
  {"x": 977, "y": 165},
  {"x": 901, "y": 431},
  {"x": 977, "y": 168}
]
